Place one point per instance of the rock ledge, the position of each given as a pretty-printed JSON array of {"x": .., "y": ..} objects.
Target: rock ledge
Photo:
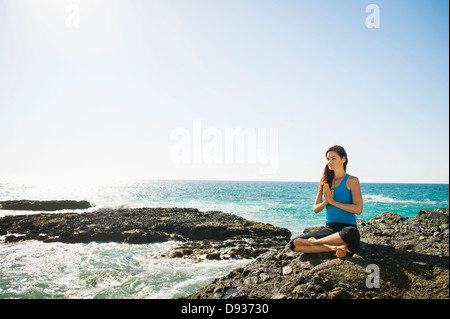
[
  {"x": 137, "y": 225},
  {"x": 47, "y": 205},
  {"x": 412, "y": 256}
]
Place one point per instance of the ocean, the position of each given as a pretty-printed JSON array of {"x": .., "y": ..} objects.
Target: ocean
[{"x": 32, "y": 269}]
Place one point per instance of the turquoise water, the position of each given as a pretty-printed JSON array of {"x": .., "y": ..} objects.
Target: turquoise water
[
  {"x": 109, "y": 270},
  {"x": 286, "y": 204}
]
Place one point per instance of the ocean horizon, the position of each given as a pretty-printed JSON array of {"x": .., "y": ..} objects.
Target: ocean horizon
[
  {"x": 33, "y": 269},
  {"x": 282, "y": 203}
]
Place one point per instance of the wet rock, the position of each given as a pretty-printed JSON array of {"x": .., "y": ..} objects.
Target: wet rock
[
  {"x": 143, "y": 225},
  {"x": 230, "y": 293},
  {"x": 176, "y": 254},
  {"x": 50, "y": 205},
  {"x": 214, "y": 256},
  {"x": 187, "y": 252}
]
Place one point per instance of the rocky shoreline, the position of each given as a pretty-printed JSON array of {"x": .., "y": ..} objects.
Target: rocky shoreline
[
  {"x": 199, "y": 232},
  {"x": 411, "y": 257},
  {"x": 410, "y": 254}
]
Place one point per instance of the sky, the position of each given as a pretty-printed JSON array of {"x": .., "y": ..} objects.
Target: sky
[{"x": 224, "y": 90}]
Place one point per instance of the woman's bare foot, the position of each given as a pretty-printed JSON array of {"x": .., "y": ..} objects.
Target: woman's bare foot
[{"x": 341, "y": 251}]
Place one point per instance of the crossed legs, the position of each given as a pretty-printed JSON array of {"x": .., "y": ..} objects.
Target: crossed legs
[
  {"x": 329, "y": 243},
  {"x": 334, "y": 237}
]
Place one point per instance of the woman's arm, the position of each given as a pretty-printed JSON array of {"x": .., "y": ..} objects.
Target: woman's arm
[
  {"x": 355, "y": 188},
  {"x": 319, "y": 204}
]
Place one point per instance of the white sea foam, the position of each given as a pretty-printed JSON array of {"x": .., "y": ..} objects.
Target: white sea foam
[
  {"x": 33, "y": 269},
  {"x": 387, "y": 199}
]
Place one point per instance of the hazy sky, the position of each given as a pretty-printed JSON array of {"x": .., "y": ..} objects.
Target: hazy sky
[{"x": 111, "y": 87}]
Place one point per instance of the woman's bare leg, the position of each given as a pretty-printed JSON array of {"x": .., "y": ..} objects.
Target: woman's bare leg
[
  {"x": 305, "y": 242},
  {"x": 341, "y": 251},
  {"x": 329, "y": 243},
  {"x": 333, "y": 239},
  {"x": 313, "y": 249}
]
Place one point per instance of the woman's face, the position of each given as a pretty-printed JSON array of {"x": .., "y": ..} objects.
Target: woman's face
[{"x": 334, "y": 161}]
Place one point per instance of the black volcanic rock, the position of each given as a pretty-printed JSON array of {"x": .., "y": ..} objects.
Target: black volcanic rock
[
  {"x": 138, "y": 225},
  {"x": 49, "y": 205},
  {"x": 412, "y": 256}
]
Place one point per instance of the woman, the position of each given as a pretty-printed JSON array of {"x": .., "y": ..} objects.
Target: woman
[{"x": 343, "y": 201}]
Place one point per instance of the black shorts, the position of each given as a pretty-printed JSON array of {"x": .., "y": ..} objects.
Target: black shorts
[{"x": 348, "y": 232}]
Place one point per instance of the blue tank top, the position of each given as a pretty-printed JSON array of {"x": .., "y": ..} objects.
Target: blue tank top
[{"x": 343, "y": 195}]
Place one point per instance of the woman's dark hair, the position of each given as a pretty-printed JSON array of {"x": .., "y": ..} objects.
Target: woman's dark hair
[{"x": 328, "y": 175}]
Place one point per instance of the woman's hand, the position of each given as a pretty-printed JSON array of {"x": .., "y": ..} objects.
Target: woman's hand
[
  {"x": 355, "y": 189},
  {"x": 319, "y": 204},
  {"x": 328, "y": 194}
]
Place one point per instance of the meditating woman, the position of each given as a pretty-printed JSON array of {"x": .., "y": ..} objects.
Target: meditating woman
[{"x": 340, "y": 193}]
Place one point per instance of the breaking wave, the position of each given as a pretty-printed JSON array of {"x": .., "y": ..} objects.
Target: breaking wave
[{"x": 386, "y": 199}]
